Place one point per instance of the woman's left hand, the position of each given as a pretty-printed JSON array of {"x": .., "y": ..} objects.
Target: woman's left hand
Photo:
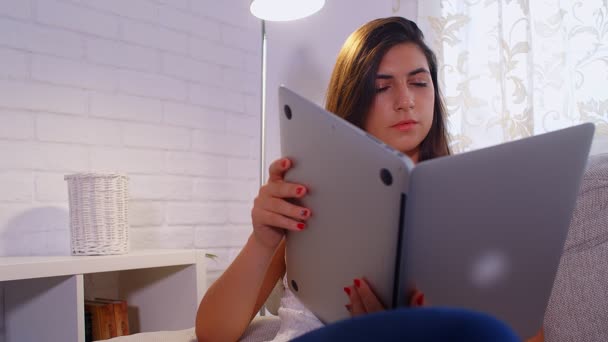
[{"x": 363, "y": 299}]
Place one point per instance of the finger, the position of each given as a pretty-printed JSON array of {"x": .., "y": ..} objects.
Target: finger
[
  {"x": 355, "y": 300},
  {"x": 274, "y": 220},
  {"x": 283, "y": 190},
  {"x": 368, "y": 297},
  {"x": 285, "y": 208},
  {"x": 277, "y": 169},
  {"x": 417, "y": 299},
  {"x": 539, "y": 337},
  {"x": 349, "y": 307}
]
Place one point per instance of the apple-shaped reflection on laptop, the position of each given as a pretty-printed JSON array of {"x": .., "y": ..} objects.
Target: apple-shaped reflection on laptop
[{"x": 489, "y": 269}]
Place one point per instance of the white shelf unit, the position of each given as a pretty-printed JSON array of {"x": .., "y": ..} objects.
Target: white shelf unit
[{"x": 44, "y": 296}]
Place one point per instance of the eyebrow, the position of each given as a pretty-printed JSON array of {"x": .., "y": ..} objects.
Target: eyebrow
[{"x": 411, "y": 73}]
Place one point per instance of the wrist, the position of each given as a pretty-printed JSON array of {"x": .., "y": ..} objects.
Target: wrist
[{"x": 260, "y": 245}]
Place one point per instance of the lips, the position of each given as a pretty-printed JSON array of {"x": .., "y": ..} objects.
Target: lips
[{"x": 405, "y": 125}]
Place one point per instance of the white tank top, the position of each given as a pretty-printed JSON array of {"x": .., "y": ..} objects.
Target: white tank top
[{"x": 296, "y": 319}]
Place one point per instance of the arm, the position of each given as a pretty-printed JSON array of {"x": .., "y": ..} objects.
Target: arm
[
  {"x": 224, "y": 316},
  {"x": 234, "y": 299},
  {"x": 275, "y": 272}
]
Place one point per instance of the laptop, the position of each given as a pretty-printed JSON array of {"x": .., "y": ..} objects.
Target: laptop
[{"x": 482, "y": 230}]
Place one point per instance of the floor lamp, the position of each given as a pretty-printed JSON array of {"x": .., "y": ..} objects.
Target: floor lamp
[{"x": 276, "y": 10}]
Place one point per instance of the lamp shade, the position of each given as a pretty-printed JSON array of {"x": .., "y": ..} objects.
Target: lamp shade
[{"x": 284, "y": 10}]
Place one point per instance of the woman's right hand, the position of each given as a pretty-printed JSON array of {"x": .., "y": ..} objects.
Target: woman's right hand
[{"x": 272, "y": 214}]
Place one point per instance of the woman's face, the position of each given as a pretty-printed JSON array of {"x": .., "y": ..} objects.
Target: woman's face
[{"x": 401, "y": 114}]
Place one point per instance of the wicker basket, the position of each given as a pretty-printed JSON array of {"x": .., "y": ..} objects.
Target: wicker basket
[{"x": 98, "y": 213}]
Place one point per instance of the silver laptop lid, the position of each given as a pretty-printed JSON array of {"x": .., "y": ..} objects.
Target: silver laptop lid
[
  {"x": 355, "y": 192},
  {"x": 485, "y": 230}
]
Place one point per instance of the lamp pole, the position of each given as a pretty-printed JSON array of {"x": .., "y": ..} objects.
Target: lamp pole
[
  {"x": 280, "y": 10},
  {"x": 263, "y": 125},
  {"x": 263, "y": 110}
]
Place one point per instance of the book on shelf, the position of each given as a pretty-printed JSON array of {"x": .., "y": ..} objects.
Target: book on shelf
[
  {"x": 88, "y": 329},
  {"x": 108, "y": 318}
]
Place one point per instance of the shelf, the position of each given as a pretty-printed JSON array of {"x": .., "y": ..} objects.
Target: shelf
[
  {"x": 29, "y": 267},
  {"x": 162, "y": 288}
]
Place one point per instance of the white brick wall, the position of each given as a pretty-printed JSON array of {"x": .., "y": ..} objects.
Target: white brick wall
[
  {"x": 72, "y": 73},
  {"x": 28, "y": 94},
  {"x": 180, "y": 114},
  {"x": 151, "y": 85},
  {"x": 16, "y": 124},
  {"x": 125, "y": 107},
  {"x": 143, "y": 10},
  {"x": 76, "y": 18},
  {"x": 186, "y": 22},
  {"x": 190, "y": 70},
  {"x": 14, "y": 64},
  {"x": 37, "y": 38},
  {"x": 16, "y": 186},
  {"x": 154, "y": 36},
  {"x": 15, "y": 8},
  {"x": 70, "y": 129},
  {"x": 165, "y": 91},
  {"x": 103, "y": 51}
]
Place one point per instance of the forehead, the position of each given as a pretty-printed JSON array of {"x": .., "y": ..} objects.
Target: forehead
[{"x": 403, "y": 57}]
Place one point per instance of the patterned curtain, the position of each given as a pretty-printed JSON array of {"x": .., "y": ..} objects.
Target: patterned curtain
[{"x": 514, "y": 68}]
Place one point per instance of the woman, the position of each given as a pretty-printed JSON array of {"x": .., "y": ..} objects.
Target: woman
[{"x": 385, "y": 82}]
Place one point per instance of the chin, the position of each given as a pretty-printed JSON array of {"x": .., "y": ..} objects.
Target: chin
[
  {"x": 404, "y": 147},
  {"x": 403, "y": 143},
  {"x": 405, "y": 150},
  {"x": 409, "y": 150}
]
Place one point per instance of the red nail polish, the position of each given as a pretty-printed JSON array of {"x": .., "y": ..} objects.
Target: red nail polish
[
  {"x": 347, "y": 290},
  {"x": 420, "y": 300},
  {"x": 301, "y": 226},
  {"x": 357, "y": 283},
  {"x": 304, "y": 212},
  {"x": 284, "y": 163},
  {"x": 299, "y": 190}
]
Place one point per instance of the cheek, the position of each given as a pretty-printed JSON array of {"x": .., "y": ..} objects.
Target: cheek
[
  {"x": 374, "y": 116},
  {"x": 384, "y": 107},
  {"x": 428, "y": 105},
  {"x": 371, "y": 122}
]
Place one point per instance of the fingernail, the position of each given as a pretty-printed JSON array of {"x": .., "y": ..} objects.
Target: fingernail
[
  {"x": 347, "y": 290},
  {"x": 284, "y": 163},
  {"x": 421, "y": 300},
  {"x": 301, "y": 226},
  {"x": 304, "y": 212},
  {"x": 299, "y": 190},
  {"x": 357, "y": 283}
]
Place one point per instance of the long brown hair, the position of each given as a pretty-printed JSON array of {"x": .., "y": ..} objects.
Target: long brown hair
[{"x": 351, "y": 89}]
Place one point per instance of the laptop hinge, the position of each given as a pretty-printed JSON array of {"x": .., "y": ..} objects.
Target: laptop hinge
[{"x": 398, "y": 267}]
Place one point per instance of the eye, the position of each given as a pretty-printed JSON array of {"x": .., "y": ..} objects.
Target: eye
[
  {"x": 419, "y": 84},
  {"x": 381, "y": 89}
]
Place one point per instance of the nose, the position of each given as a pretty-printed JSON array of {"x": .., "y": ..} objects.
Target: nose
[{"x": 405, "y": 98}]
